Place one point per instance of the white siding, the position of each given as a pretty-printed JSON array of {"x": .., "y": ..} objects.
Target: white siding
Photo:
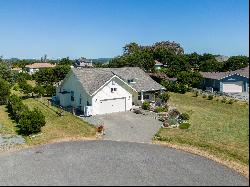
[
  {"x": 72, "y": 84},
  {"x": 123, "y": 91}
]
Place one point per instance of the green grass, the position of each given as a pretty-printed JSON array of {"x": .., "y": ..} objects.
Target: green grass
[
  {"x": 216, "y": 127},
  {"x": 67, "y": 126}
]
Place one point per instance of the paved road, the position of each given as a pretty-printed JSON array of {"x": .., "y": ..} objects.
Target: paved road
[
  {"x": 111, "y": 163},
  {"x": 130, "y": 127}
]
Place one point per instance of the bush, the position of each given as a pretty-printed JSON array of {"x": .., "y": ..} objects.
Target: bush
[
  {"x": 184, "y": 125},
  {"x": 210, "y": 97},
  {"x": 196, "y": 93},
  {"x": 172, "y": 121},
  {"x": 164, "y": 97},
  {"x": 16, "y": 107},
  {"x": 145, "y": 105},
  {"x": 174, "y": 113},
  {"x": 4, "y": 91},
  {"x": 231, "y": 101},
  {"x": 224, "y": 100},
  {"x": 184, "y": 116},
  {"x": 31, "y": 122},
  {"x": 160, "y": 109},
  {"x": 204, "y": 96}
]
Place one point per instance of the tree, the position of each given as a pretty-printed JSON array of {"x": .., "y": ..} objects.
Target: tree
[
  {"x": 26, "y": 88},
  {"x": 39, "y": 90},
  {"x": 65, "y": 61},
  {"x": 50, "y": 90},
  {"x": 190, "y": 79},
  {"x": 210, "y": 65},
  {"x": 131, "y": 48},
  {"x": 5, "y": 72},
  {"x": 4, "y": 91},
  {"x": 236, "y": 62},
  {"x": 31, "y": 122}
]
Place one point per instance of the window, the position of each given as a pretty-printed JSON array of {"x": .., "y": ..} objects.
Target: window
[
  {"x": 139, "y": 96},
  {"x": 80, "y": 101},
  {"x": 113, "y": 90},
  {"x": 72, "y": 95},
  {"x": 146, "y": 97}
]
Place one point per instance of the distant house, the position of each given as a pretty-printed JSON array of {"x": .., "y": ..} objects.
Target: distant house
[
  {"x": 83, "y": 63},
  {"x": 221, "y": 58},
  {"x": 16, "y": 70},
  {"x": 32, "y": 68},
  {"x": 158, "y": 65},
  {"x": 106, "y": 90},
  {"x": 234, "y": 81}
]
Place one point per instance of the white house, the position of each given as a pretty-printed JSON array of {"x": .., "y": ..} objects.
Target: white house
[
  {"x": 106, "y": 90},
  {"x": 32, "y": 68}
]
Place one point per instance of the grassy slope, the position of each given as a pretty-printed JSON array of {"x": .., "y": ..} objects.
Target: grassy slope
[
  {"x": 67, "y": 126},
  {"x": 222, "y": 129}
]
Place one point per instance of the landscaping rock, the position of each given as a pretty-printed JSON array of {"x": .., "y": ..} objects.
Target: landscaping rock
[{"x": 137, "y": 111}]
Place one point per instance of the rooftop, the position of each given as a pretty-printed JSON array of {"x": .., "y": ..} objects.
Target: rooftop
[{"x": 40, "y": 65}]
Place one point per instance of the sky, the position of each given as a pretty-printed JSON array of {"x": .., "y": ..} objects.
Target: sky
[{"x": 100, "y": 28}]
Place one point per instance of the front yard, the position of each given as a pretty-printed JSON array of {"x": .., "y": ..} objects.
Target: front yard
[
  {"x": 64, "y": 127},
  {"x": 218, "y": 128}
]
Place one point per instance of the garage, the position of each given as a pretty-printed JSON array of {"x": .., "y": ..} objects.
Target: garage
[
  {"x": 232, "y": 86},
  {"x": 112, "y": 105}
]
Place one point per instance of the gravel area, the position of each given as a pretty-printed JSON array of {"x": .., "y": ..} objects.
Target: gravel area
[{"x": 10, "y": 140}]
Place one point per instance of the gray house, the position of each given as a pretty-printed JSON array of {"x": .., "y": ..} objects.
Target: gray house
[{"x": 233, "y": 81}]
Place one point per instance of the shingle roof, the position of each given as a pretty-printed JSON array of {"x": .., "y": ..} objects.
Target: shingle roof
[
  {"x": 93, "y": 78},
  {"x": 158, "y": 63},
  {"x": 220, "y": 75},
  {"x": 40, "y": 65}
]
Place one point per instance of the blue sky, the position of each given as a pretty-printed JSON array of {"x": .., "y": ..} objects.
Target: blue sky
[{"x": 100, "y": 28}]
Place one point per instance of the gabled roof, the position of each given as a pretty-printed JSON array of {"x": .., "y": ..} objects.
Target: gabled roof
[
  {"x": 220, "y": 75},
  {"x": 40, "y": 65},
  {"x": 93, "y": 78},
  {"x": 158, "y": 63}
]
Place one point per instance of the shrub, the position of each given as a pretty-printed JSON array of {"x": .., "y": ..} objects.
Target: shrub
[
  {"x": 224, "y": 100},
  {"x": 145, "y": 105},
  {"x": 16, "y": 107},
  {"x": 231, "y": 101},
  {"x": 184, "y": 125},
  {"x": 164, "y": 97},
  {"x": 172, "y": 121},
  {"x": 184, "y": 116},
  {"x": 4, "y": 91},
  {"x": 31, "y": 122},
  {"x": 174, "y": 113},
  {"x": 160, "y": 109},
  {"x": 210, "y": 97},
  {"x": 204, "y": 96}
]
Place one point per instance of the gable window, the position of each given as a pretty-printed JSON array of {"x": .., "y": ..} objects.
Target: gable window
[
  {"x": 72, "y": 96},
  {"x": 146, "y": 96},
  {"x": 113, "y": 90}
]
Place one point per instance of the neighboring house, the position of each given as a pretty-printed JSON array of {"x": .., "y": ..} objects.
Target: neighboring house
[
  {"x": 221, "y": 58},
  {"x": 32, "y": 68},
  {"x": 106, "y": 90},
  {"x": 83, "y": 63},
  {"x": 158, "y": 65},
  {"x": 16, "y": 70},
  {"x": 234, "y": 81}
]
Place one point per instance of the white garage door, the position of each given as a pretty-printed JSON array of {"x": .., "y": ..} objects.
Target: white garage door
[
  {"x": 232, "y": 86},
  {"x": 112, "y": 105}
]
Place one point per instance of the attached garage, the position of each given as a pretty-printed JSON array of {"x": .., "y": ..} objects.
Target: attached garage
[
  {"x": 112, "y": 105},
  {"x": 236, "y": 86}
]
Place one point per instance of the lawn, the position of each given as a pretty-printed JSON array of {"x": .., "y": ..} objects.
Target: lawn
[
  {"x": 64, "y": 127},
  {"x": 218, "y": 128}
]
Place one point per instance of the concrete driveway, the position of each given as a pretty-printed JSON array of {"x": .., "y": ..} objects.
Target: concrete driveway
[
  {"x": 130, "y": 127},
  {"x": 112, "y": 163}
]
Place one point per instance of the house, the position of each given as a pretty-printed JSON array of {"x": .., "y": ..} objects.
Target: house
[
  {"x": 158, "y": 65},
  {"x": 32, "y": 68},
  {"x": 16, "y": 70},
  {"x": 82, "y": 63},
  {"x": 233, "y": 81},
  {"x": 106, "y": 90},
  {"x": 221, "y": 58}
]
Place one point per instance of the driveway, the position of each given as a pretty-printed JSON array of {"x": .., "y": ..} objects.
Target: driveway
[
  {"x": 131, "y": 127},
  {"x": 111, "y": 163}
]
